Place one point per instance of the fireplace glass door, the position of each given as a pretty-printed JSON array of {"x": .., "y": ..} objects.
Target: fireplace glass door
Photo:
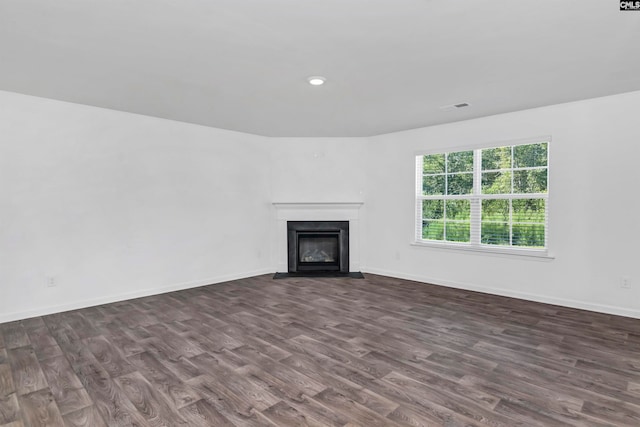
[{"x": 319, "y": 249}]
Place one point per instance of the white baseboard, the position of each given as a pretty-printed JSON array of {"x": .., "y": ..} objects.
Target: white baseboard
[
  {"x": 600, "y": 308},
  {"x": 75, "y": 305},
  {"x": 583, "y": 305}
]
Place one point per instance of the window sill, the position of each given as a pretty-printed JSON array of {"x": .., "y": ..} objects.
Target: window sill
[{"x": 541, "y": 255}]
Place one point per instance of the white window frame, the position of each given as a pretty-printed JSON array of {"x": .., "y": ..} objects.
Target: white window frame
[{"x": 476, "y": 198}]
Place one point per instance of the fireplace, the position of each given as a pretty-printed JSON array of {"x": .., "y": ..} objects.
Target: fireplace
[{"x": 318, "y": 246}]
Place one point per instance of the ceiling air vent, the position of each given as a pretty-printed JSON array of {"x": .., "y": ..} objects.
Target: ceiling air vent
[{"x": 455, "y": 106}]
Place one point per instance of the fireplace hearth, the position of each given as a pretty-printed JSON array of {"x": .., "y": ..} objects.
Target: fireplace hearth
[{"x": 318, "y": 246}]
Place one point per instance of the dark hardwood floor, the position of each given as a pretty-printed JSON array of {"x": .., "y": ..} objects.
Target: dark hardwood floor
[{"x": 321, "y": 352}]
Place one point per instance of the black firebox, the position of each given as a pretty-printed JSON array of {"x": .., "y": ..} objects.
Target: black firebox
[{"x": 318, "y": 246}]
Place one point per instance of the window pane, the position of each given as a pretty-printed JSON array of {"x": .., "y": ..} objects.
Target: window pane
[
  {"x": 530, "y": 235},
  {"x": 528, "y": 210},
  {"x": 433, "y": 209},
  {"x": 433, "y": 185},
  {"x": 530, "y": 181},
  {"x": 460, "y": 183},
  {"x": 495, "y": 210},
  {"x": 458, "y": 231},
  {"x": 433, "y": 163},
  {"x": 433, "y": 230},
  {"x": 531, "y": 155},
  {"x": 495, "y": 233},
  {"x": 496, "y": 158},
  {"x": 460, "y": 161},
  {"x": 459, "y": 209},
  {"x": 512, "y": 193},
  {"x": 496, "y": 183}
]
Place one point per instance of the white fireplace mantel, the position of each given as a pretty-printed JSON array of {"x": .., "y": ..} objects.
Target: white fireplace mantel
[{"x": 317, "y": 211}]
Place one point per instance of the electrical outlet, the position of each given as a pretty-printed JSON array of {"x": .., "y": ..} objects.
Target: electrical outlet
[
  {"x": 50, "y": 281},
  {"x": 625, "y": 283}
]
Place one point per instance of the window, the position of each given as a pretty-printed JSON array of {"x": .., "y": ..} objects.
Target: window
[{"x": 492, "y": 197}]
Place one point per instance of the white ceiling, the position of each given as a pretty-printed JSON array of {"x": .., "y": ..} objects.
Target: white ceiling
[{"x": 390, "y": 64}]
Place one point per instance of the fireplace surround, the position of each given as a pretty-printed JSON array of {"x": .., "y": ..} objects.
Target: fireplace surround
[
  {"x": 285, "y": 211},
  {"x": 318, "y": 246}
]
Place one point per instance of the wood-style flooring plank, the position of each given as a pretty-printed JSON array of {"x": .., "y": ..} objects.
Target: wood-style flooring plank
[
  {"x": 279, "y": 373},
  {"x": 47, "y": 352},
  {"x": 321, "y": 352},
  {"x": 468, "y": 405},
  {"x": 110, "y": 401},
  {"x": 119, "y": 338},
  {"x": 39, "y": 409},
  {"x": 178, "y": 343},
  {"x": 9, "y": 408},
  {"x": 6, "y": 380},
  {"x": 85, "y": 417},
  {"x": 156, "y": 408},
  {"x": 41, "y": 338},
  {"x": 65, "y": 386},
  {"x": 202, "y": 413},
  {"x": 237, "y": 410},
  {"x": 109, "y": 356},
  {"x": 242, "y": 388},
  {"x": 311, "y": 409},
  {"x": 164, "y": 380},
  {"x": 284, "y": 415},
  {"x": 181, "y": 367},
  {"x": 407, "y": 417},
  {"x": 14, "y": 335},
  {"x": 340, "y": 403},
  {"x": 545, "y": 401},
  {"x": 27, "y": 373}
]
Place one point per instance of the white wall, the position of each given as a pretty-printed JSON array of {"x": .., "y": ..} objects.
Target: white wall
[
  {"x": 318, "y": 169},
  {"x": 114, "y": 205},
  {"x": 593, "y": 207}
]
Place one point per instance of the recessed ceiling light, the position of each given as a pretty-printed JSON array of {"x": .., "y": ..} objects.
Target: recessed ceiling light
[{"x": 316, "y": 80}]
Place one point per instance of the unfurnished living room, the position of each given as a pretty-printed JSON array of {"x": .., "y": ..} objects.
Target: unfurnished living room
[{"x": 319, "y": 213}]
